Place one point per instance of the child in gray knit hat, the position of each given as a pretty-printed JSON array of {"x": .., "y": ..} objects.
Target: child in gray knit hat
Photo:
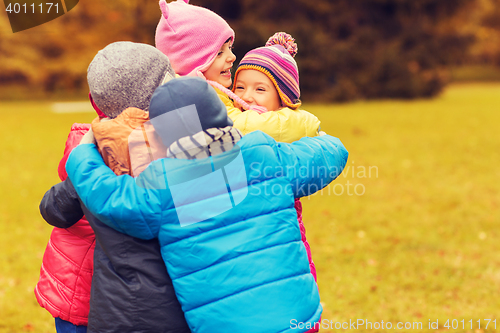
[
  {"x": 125, "y": 74},
  {"x": 122, "y": 78}
]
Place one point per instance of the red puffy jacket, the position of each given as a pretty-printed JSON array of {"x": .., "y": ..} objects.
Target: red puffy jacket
[{"x": 66, "y": 273}]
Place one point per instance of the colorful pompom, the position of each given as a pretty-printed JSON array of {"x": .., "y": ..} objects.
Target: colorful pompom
[{"x": 285, "y": 40}]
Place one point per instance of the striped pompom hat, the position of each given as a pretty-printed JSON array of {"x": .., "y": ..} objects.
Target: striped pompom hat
[{"x": 277, "y": 62}]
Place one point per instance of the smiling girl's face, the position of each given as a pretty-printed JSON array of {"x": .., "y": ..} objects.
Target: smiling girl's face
[
  {"x": 256, "y": 88},
  {"x": 220, "y": 70}
]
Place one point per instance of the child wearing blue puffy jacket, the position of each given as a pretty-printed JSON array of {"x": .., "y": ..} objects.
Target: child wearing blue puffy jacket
[{"x": 222, "y": 206}]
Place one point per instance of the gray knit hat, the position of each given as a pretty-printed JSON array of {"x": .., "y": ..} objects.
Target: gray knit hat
[{"x": 125, "y": 74}]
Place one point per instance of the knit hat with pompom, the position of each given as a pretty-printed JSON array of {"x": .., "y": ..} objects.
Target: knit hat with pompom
[
  {"x": 190, "y": 36},
  {"x": 276, "y": 61}
]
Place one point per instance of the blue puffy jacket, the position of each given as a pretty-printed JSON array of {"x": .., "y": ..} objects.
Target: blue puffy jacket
[{"x": 237, "y": 269}]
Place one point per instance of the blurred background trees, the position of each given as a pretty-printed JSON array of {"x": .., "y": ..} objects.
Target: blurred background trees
[{"x": 347, "y": 49}]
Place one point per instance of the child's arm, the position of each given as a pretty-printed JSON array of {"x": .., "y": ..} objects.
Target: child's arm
[
  {"x": 116, "y": 200},
  {"x": 284, "y": 125},
  {"x": 312, "y": 163},
  {"x": 60, "y": 206}
]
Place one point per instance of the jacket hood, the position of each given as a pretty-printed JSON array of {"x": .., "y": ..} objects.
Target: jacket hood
[{"x": 185, "y": 106}]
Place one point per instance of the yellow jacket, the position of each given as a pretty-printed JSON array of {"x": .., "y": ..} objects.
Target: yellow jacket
[{"x": 284, "y": 125}]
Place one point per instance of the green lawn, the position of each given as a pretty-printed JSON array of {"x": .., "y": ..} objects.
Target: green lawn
[{"x": 406, "y": 234}]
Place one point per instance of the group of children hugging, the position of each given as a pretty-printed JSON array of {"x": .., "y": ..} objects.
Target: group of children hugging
[{"x": 164, "y": 221}]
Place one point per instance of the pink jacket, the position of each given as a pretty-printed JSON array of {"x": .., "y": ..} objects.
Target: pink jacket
[
  {"x": 298, "y": 208},
  {"x": 66, "y": 273}
]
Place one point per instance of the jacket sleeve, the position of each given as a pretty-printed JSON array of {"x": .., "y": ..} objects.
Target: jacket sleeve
[
  {"x": 284, "y": 125},
  {"x": 116, "y": 200},
  {"x": 60, "y": 206},
  {"x": 312, "y": 163}
]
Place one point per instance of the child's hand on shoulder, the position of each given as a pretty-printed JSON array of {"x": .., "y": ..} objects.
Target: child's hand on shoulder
[{"x": 88, "y": 138}]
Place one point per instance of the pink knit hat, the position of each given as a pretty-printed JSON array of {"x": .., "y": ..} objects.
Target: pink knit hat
[{"x": 190, "y": 36}]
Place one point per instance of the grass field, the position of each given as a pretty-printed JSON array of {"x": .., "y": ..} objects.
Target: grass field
[{"x": 406, "y": 234}]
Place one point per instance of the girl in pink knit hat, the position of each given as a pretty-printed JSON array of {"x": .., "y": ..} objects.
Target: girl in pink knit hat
[
  {"x": 195, "y": 38},
  {"x": 198, "y": 42}
]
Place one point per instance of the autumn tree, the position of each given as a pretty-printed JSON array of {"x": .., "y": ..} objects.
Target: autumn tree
[
  {"x": 357, "y": 49},
  {"x": 348, "y": 49}
]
